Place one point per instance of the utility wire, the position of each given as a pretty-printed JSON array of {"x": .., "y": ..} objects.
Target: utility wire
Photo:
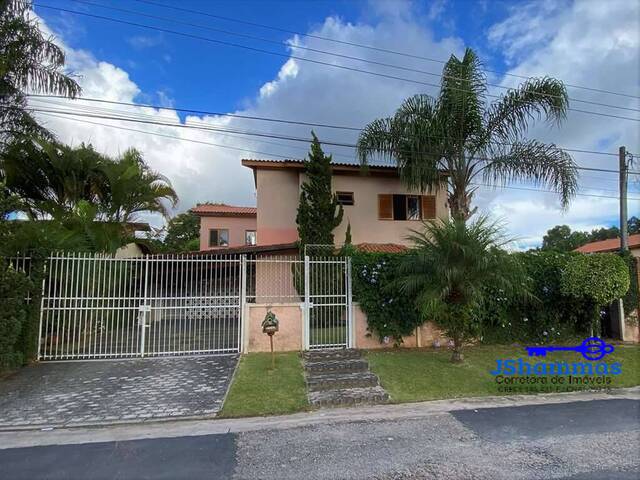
[
  {"x": 354, "y": 44},
  {"x": 295, "y": 57},
  {"x": 269, "y": 154},
  {"x": 268, "y": 119},
  {"x": 334, "y": 54},
  {"x": 244, "y": 132}
]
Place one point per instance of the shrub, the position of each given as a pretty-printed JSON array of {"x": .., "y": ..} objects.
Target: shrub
[
  {"x": 14, "y": 315},
  {"x": 631, "y": 299},
  {"x": 550, "y": 316},
  {"x": 597, "y": 280},
  {"x": 390, "y": 312}
]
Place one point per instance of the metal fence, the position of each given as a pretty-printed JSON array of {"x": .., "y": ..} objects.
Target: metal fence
[{"x": 98, "y": 306}]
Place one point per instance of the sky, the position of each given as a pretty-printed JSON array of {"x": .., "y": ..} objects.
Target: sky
[{"x": 218, "y": 65}]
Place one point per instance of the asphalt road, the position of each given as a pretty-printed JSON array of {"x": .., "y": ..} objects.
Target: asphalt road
[{"x": 579, "y": 440}]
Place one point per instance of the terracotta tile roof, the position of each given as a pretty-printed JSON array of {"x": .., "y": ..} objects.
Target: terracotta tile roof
[
  {"x": 381, "y": 248},
  {"x": 223, "y": 210},
  {"x": 609, "y": 245},
  {"x": 299, "y": 163}
]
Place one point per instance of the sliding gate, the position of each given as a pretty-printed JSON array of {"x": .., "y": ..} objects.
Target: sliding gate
[{"x": 103, "y": 307}]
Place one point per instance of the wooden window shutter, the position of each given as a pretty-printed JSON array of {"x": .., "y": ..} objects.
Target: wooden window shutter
[
  {"x": 428, "y": 207},
  {"x": 385, "y": 206}
]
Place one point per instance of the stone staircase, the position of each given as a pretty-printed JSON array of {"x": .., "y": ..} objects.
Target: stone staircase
[{"x": 340, "y": 378}]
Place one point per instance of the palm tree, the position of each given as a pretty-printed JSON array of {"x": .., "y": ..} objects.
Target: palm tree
[
  {"x": 446, "y": 271},
  {"x": 459, "y": 133},
  {"x": 30, "y": 61},
  {"x": 132, "y": 187}
]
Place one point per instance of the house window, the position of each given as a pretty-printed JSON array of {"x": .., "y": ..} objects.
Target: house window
[
  {"x": 345, "y": 198},
  {"x": 218, "y": 238},
  {"x": 250, "y": 237},
  {"x": 413, "y": 207},
  {"x": 406, "y": 207}
]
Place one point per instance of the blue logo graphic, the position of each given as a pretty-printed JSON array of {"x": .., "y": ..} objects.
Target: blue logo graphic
[{"x": 593, "y": 349}]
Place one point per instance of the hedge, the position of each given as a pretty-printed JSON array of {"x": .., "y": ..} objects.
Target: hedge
[{"x": 14, "y": 316}]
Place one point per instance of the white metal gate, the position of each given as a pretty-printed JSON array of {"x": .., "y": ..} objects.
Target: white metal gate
[
  {"x": 96, "y": 306},
  {"x": 328, "y": 313}
]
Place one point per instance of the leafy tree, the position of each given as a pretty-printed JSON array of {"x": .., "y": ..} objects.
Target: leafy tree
[
  {"x": 318, "y": 211},
  {"x": 183, "y": 233},
  {"x": 448, "y": 268},
  {"x": 30, "y": 62},
  {"x": 563, "y": 239},
  {"x": 472, "y": 140},
  {"x": 596, "y": 279}
]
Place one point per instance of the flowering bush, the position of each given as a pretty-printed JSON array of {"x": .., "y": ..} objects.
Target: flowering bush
[{"x": 390, "y": 313}]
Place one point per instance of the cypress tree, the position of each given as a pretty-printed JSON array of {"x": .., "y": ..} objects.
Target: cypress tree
[{"x": 318, "y": 211}]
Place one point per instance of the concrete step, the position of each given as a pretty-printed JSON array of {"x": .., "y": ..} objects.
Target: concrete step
[
  {"x": 342, "y": 365},
  {"x": 336, "y": 354},
  {"x": 335, "y": 381},
  {"x": 349, "y": 396}
]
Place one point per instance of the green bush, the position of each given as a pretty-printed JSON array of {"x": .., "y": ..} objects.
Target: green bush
[
  {"x": 596, "y": 280},
  {"x": 14, "y": 314},
  {"x": 630, "y": 300},
  {"x": 549, "y": 317},
  {"x": 390, "y": 313}
]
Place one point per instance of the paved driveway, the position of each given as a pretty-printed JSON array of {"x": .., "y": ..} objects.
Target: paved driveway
[{"x": 95, "y": 392}]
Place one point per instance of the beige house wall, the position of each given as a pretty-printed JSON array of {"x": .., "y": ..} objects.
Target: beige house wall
[
  {"x": 290, "y": 334},
  {"x": 278, "y": 196},
  {"x": 236, "y": 226},
  {"x": 277, "y": 200}
]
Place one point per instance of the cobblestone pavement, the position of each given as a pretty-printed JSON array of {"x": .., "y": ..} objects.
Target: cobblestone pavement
[{"x": 90, "y": 392}]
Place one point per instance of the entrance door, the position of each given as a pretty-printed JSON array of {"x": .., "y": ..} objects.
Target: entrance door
[{"x": 328, "y": 312}]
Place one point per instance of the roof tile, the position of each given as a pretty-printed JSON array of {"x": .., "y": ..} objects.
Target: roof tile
[{"x": 609, "y": 245}]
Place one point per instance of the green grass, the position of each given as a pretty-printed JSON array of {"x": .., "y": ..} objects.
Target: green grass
[
  {"x": 416, "y": 375},
  {"x": 257, "y": 390}
]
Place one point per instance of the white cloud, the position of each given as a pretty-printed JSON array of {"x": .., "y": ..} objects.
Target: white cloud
[{"x": 581, "y": 44}]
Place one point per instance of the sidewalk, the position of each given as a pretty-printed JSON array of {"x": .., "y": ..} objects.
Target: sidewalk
[{"x": 171, "y": 429}]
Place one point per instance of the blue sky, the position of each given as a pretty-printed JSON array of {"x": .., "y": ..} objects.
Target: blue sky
[
  {"x": 194, "y": 73},
  {"x": 580, "y": 42}
]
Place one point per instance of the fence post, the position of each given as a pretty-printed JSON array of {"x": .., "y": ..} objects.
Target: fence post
[
  {"x": 306, "y": 318},
  {"x": 44, "y": 277},
  {"x": 350, "y": 329},
  {"x": 146, "y": 308},
  {"x": 243, "y": 304}
]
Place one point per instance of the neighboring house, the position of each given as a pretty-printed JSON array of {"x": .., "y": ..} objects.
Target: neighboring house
[
  {"x": 223, "y": 226},
  {"x": 377, "y": 205},
  {"x": 612, "y": 245}
]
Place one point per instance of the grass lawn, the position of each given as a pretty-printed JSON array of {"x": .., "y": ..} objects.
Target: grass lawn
[
  {"x": 258, "y": 390},
  {"x": 416, "y": 375}
]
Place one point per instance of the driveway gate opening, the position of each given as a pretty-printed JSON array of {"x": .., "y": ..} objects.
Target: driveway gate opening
[{"x": 105, "y": 307}]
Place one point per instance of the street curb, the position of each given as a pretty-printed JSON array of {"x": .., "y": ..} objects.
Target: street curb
[{"x": 386, "y": 412}]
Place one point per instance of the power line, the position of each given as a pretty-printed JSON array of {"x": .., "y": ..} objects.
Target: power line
[
  {"x": 368, "y": 47},
  {"x": 270, "y": 154},
  {"x": 295, "y": 57},
  {"x": 334, "y": 54},
  {"x": 269, "y": 119},
  {"x": 138, "y": 119}
]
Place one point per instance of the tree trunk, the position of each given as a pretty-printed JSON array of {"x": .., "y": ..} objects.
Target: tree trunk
[
  {"x": 457, "y": 355},
  {"x": 460, "y": 204}
]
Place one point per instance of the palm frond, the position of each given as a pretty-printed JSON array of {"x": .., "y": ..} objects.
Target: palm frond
[
  {"x": 535, "y": 99},
  {"x": 540, "y": 163}
]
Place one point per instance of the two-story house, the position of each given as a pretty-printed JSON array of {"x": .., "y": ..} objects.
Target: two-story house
[{"x": 381, "y": 210}]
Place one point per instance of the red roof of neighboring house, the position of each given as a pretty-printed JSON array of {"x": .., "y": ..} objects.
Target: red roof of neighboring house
[
  {"x": 609, "y": 245},
  {"x": 381, "y": 248},
  {"x": 223, "y": 210}
]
